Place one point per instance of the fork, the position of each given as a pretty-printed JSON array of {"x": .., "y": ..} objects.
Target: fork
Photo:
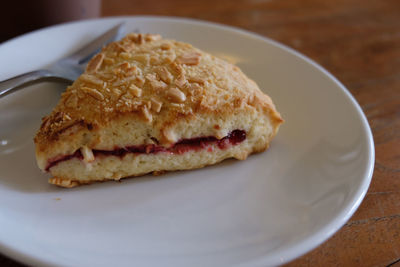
[{"x": 66, "y": 69}]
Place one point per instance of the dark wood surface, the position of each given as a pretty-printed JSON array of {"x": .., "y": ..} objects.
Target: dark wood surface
[{"x": 358, "y": 41}]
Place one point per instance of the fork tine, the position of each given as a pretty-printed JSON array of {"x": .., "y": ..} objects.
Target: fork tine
[{"x": 86, "y": 52}]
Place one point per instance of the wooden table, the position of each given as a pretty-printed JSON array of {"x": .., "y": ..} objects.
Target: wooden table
[{"x": 358, "y": 41}]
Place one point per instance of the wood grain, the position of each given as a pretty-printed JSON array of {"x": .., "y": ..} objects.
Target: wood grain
[{"x": 358, "y": 41}]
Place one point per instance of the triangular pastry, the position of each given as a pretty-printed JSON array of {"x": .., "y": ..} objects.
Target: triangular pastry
[{"x": 146, "y": 104}]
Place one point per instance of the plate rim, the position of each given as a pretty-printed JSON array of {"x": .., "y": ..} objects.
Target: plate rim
[{"x": 292, "y": 251}]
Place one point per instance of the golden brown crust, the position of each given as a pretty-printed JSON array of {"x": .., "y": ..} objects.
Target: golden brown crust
[{"x": 159, "y": 84}]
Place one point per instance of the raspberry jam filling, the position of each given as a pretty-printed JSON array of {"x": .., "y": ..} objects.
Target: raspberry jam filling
[{"x": 233, "y": 138}]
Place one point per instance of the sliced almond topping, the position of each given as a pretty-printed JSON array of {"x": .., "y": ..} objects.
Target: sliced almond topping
[
  {"x": 95, "y": 63},
  {"x": 158, "y": 85},
  {"x": 119, "y": 83},
  {"x": 196, "y": 80},
  {"x": 142, "y": 58},
  {"x": 155, "y": 60},
  {"x": 135, "y": 37},
  {"x": 191, "y": 58},
  {"x": 146, "y": 113},
  {"x": 87, "y": 154},
  {"x": 92, "y": 79},
  {"x": 169, "y": 58},
  {"x": 155, "y": 105},
  {"x": 155, "y": 83},
  {"x": 106, "y": 76},
  {"x": 164, "y": 74},
  {"x": 108, "y": 60},
  {"x": 116, "y": 92},
  {"x": 125, "y": 66},
  {"x": 125, "y": 55},
  {"x": 128, "y": 79},
  {"x": 165, "y": 46},
  {"x": 136, "y": 91},
  {"x": 116, "y": 71},
  {"x": 118, "y": 47},
  {"x": 178, "y": 69},
  {"x": 66, "y": 117},
  {"x": 152, "y": 37},
  {"x": 151, "y": 77},
  {"x": 176, "y": 95},
  {"x": 129, "y": 47},
  {"x": 131, "y": 36},
  {"x": 93, "y": 93},
  {"x": 139, "y": 81},
  {"x": 180, "y": 81},
  {"x": 131, "y": 70}
]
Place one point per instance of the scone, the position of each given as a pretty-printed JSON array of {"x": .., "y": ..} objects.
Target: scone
[{"x": 146, "y": 104}]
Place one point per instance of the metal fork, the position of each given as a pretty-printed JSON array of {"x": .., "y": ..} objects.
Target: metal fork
[{"x": 66, "y": 69}]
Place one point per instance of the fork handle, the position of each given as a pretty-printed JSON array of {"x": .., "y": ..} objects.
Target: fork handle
[{"x": 17, "y": 82}]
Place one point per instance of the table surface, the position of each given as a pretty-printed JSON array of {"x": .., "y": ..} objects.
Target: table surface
[{"x": 357, "y": 41}]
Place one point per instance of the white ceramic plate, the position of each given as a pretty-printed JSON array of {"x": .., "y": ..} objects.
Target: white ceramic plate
[{"x": 266, "y": 210}]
